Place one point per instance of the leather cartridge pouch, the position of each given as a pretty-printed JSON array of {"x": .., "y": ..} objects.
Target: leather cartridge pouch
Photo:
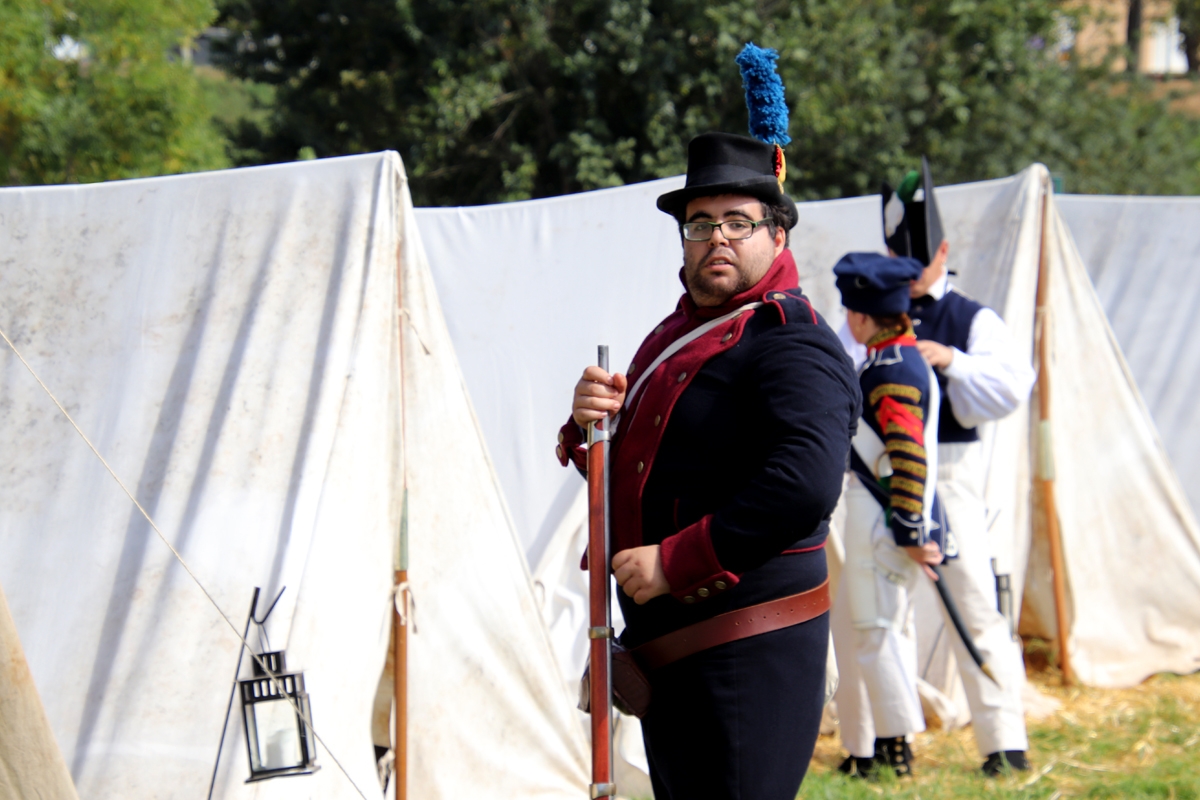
[{"x": 631, "y": 687}]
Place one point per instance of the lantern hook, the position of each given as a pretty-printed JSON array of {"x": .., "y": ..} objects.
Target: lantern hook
[{"x": 261, "y": 623}]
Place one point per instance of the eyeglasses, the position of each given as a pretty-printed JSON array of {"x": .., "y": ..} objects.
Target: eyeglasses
[{"x": 731, "y": 229}]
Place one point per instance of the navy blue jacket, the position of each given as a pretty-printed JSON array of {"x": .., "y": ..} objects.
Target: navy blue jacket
[
  {"x": 895, "y": 388},
  {"x": 733, "y": 454},
  {"x": 946, "y": 321}
]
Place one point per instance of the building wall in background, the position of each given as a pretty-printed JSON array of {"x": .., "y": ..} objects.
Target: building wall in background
[{"x": 1161, "y": 50}]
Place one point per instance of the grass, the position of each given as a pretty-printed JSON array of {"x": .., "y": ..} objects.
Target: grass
[{"x": 1142, "y": 742}]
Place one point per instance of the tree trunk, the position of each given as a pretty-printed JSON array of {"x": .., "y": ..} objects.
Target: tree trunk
[
  {"x": 1133, "y": 36},
  {"x": 1191, "y": 49},
  {"x": 1188, "y": 14}
]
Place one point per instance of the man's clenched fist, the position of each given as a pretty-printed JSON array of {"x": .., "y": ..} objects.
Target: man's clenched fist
[
  {"x": 639, "y": 573},
  {"x": 598, "y": 395}
]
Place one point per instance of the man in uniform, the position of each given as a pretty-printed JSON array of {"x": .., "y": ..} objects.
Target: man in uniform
[
  {"x": 983, "y": 377},
  {"x": 726, "y": 464},
  {"x": 890, "y": 530}
]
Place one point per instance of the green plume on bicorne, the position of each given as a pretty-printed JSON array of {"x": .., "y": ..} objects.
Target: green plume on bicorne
[{"x": 908, "y": 186}]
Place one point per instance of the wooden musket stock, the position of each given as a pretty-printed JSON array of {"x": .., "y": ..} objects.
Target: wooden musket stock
[{"x": 600, "y": 631}]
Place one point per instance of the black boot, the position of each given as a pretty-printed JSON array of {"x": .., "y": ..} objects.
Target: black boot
[
  {"x": 894, "y": 753},
  {"x": 1013, "y": 759},
  {"x": 857, "y": 767}
]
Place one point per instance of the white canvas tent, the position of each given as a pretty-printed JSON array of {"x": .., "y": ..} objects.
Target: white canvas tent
[
  {"x": 30, "y": 762},
  {"x": 530, "y": 288},
  {"x": 1141, "y": 253},
  {"x": 232, "y": 343},
  {"x": 261, "y": 355}
]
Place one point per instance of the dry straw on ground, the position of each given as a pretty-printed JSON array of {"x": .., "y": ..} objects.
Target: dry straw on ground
[{"x": 1142, "y": 742}]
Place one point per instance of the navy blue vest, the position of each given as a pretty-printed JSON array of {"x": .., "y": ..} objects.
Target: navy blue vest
[{"x": 946, "y": 321}]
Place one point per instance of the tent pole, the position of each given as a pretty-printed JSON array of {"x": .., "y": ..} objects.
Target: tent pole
[
  {"x": 401, "y": 615},
  {"x": 1045, "y": 463},
  {"x": 400, "y": 685}
]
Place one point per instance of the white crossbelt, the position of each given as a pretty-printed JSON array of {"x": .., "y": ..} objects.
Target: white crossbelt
[{"x": 673, "y": 348}]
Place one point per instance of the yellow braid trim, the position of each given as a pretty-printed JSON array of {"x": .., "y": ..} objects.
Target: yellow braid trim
[
  {"x": 905, "y": 485},
  {"x": 911, "y": 467},
  {"x": 900, "y": 446},
  {"x": 896, "y": 390}
]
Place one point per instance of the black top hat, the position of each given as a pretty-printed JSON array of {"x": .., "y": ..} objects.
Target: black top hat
[
  {"x": 913, "y": 229},
  {"x": 723, "y": 163}
]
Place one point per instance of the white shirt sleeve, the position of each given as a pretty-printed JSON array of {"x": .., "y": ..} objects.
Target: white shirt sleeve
[
  {"x": 992, "y": 378},
  {"x": 856, "y": 351}
]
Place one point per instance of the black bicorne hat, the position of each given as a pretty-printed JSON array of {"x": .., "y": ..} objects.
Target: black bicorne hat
[
  {"x": 724, "y": 163},
  {"x": 912, "y": 226}
]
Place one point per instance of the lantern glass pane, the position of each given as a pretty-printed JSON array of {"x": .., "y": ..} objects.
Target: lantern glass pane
[{"x": 276, "y": 733}]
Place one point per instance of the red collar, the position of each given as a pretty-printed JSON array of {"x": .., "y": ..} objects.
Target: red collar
[
  {"x": 904, "y": 339},
  {"x": 782, "y": 275}
]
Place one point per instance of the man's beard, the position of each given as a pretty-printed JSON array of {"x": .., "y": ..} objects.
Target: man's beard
[{"x": 704, "y": 293}]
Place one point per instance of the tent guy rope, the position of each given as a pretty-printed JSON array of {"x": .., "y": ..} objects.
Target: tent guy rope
[{"x": 178, "y": 557}]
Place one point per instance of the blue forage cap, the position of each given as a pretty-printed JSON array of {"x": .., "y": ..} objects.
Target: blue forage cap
[{"x": 876, "y": 284}]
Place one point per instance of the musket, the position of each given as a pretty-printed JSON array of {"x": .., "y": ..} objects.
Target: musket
[
  {"x": 952, "y": 611},
  {"x": 880, "y": 494},
  {"x": 600, "y": 632}
]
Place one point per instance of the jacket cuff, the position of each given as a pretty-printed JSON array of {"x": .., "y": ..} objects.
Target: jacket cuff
[
  {"x": 691, "y": 566},
  {"x": 572, "y": 446},
  {"x": 908, "y": 529}
]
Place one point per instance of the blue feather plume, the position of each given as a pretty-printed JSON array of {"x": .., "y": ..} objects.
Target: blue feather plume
[{"x": 764, "y": 94}]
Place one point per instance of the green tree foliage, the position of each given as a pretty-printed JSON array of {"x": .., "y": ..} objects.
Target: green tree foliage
[
  {"x": 96, "y": 90},
  {"x": 507, "y": 99}
]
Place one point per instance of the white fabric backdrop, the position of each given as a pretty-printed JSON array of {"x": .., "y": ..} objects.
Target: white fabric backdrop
[
  {"x": 1131, "y": 542},
  {"x": 1142, "y": 255},
  {"x": 223, "y": 350},
  {"x": 490, "y": 712},
  {"x": 529, "y": 290},
  {"x": 230, "y": 342}
]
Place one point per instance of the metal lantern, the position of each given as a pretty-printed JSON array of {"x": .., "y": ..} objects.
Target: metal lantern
[{"x": 275, "y": 708}]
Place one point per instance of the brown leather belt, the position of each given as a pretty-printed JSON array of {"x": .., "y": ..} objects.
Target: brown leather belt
[{"x": 741, "y": 623}]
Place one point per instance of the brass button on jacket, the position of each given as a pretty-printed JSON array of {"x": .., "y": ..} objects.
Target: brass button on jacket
[
  {"x": 720, "y": 585},
  {"x": 689, "y": 599},
  {"x": 702, "y": 592},
  {"x": 641, "y": 466}
]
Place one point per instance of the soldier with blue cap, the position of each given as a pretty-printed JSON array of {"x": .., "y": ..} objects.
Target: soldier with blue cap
[
  {"x": 983, "y": 377},
  {"x": 730, "y": 432},
  {"x": 891, "y": 532}
]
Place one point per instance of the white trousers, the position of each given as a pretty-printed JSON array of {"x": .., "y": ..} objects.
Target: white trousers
[
  {"x": 997, "y": 715},
  {"x": 873, "y": 635}
]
